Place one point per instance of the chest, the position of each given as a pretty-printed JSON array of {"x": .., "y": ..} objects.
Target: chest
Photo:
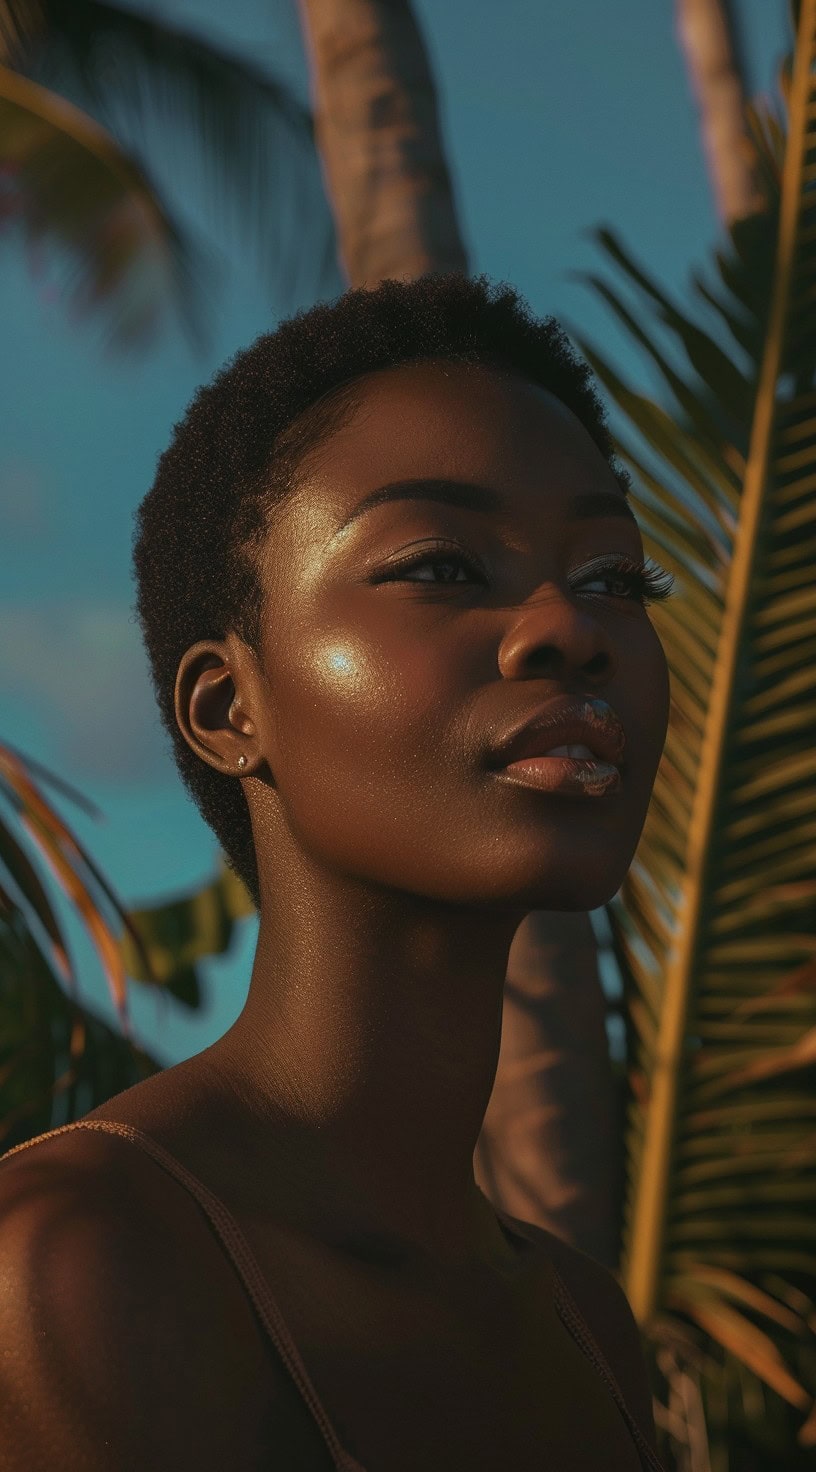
[
  {"x": 476, "y": 1376},
  {"x": 418, "y": 1378}
]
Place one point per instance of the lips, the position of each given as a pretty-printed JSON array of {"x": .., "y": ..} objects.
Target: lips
[{"x": 566, "y": 720}]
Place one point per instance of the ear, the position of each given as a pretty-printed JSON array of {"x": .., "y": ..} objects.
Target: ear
[{"x": 209, "y": 704}]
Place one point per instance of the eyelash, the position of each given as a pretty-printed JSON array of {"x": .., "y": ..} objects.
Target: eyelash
[{"x": 649, "y": 581}]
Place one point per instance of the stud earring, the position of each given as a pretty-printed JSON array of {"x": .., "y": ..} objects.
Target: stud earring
[{"x": 242, "y": 761}]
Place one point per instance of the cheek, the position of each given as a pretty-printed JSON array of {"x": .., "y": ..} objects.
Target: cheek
[
  {"x": 362, "y": 710},
  {"x": 373, "y": 779},
  {"x": 643, "y": 673},
  {"x": 658, "y": 682},
  {"x": 365, "y": 759},
  {"x": 644, "y": 677}
]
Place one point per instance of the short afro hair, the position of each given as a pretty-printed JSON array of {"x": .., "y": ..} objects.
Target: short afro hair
[{"x": 234, "y": 457}]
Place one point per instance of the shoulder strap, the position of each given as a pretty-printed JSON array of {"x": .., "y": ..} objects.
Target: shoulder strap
[
  {"x": 578, "y": 1327},
  {"x": 243, "y": 1259},
  {"x": 246, "y": 1265},
  {"x": 575, "y": 1323}
]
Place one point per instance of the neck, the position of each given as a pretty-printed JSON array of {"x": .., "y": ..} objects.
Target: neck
[{"x": 369, "y": 1060}]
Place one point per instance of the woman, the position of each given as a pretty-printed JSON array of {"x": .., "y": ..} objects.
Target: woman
[{"x": 387, "y": 556}]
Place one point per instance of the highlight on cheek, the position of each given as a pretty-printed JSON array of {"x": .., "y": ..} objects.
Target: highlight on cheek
[{"x": 340, "y": 663}]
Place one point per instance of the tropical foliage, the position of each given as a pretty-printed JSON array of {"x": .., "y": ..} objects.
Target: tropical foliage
[
  {"x": 713, "y": 929},
  {"x": 95, "y": 223},
  {"x": 57, "y": 1058}
]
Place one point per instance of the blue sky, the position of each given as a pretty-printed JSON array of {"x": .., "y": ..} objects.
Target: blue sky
[{"x": 557, "y": 118}]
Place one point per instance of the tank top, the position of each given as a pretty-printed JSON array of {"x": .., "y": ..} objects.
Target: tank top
[{"x": 246, "y": 1265}]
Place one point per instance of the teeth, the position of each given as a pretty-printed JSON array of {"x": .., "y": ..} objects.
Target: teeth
[{"x": 570, "y": 751}]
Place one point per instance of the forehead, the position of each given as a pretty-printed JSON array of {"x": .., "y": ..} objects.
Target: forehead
[
  {"x": 439, "y": 417},
  {"x": 456, "y": 420}
]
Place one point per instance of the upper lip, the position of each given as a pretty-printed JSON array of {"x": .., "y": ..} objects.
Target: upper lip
[{"x": 566, "y": 720}]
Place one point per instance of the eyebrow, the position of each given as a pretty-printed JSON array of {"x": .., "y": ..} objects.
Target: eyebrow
[{"x": 482, "y": 498}]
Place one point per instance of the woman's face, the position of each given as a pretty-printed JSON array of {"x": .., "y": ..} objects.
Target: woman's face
[{"x": 381, "y": 697}]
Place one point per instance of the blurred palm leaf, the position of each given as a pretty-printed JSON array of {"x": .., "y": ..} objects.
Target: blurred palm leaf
[
  {"x": 254, "y": 137},
  {"x": 56, "y": 1057},
  {"x": 67, "y": 181},
  {"x": 173, "y": 935},
  {"x": 57, "y": 1060},
  {"x": 714, "y": 928}
]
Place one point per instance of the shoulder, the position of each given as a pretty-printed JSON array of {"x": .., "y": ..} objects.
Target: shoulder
[
  {"x": 104, "y": 1208},
  {"x": 100, "y": 1188},
  {"x": 605, "y": 1307},
  {"x": 119, "y": 1299}
]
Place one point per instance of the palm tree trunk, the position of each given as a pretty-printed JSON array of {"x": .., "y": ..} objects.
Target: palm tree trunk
[
  {"x": 549, "y": 1152},
  {"x": 708, "y": 37},
  {"x": 377, "y": 131}
]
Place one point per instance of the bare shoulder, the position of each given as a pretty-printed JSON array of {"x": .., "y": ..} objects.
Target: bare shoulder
[
  {"x": 119, "y": 1303},
  {"x": 606, "y": 1309}
]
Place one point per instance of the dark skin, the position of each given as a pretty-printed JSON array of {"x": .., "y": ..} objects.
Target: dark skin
[
  {"x": 338, "y": 1116},
  {"x": 395, "y": 870}
]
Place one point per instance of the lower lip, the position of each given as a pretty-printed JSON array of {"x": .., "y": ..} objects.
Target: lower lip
[{"x": 577, "y": 775}]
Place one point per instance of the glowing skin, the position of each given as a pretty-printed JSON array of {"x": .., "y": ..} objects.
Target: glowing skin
[{"x": 395, "y": 868}]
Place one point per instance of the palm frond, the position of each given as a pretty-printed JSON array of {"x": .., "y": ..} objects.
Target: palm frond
[
  {"x": 66, "y": 181},
  {"x": 253, "y": 136},
  {"x": 177, "y": 933},
  {"x": 57, "y": 1060},
  {"x": 714, "y": 928},
  {"x": 76, "y": 871}
]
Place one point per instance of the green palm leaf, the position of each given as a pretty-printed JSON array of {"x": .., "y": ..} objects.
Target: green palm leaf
[
  {"x": 57, "y": 1060},
  {"x": 71, "y": 182},
  {"x": 254, "y": 137},
  {"x": 175, "y": 934},
  {"x": 715, "y": 926},
  {"x": 67, "y": 181}
]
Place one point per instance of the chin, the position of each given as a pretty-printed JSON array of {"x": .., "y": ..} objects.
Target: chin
[
  {"x": 565, "y": 898},
  {"x": 580, "y": 895},
  {"x": 578, "y": 904}
]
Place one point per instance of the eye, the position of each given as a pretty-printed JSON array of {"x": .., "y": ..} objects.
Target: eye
[
  {"x": 444, "y": 558},
  {"x": 643, "y": 583}
]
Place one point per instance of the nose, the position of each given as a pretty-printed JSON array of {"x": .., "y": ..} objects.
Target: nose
[{"x": 551, "y": 631}]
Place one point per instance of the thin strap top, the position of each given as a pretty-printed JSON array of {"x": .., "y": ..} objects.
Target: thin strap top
[{"x": 246, "y": 1265}]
